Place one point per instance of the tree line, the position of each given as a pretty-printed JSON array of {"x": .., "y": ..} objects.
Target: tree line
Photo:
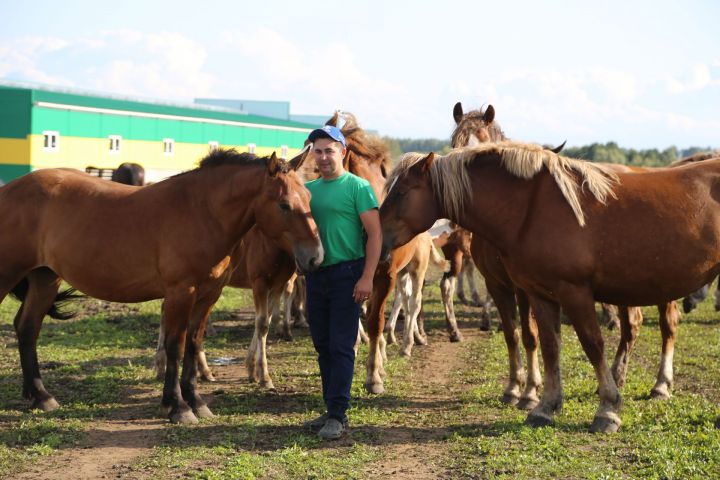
[{"x": 608, "y": 152}]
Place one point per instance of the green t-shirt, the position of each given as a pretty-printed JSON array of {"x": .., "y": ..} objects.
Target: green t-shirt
[{"x": 336, "y": 206}]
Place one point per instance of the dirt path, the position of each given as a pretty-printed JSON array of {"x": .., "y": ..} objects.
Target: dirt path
[
  {"x": 111, "y": 445},
  {"x": 407, "y": 455}
]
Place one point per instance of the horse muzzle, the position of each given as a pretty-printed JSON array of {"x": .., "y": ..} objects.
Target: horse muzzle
[{"x": 309, "y": 259}]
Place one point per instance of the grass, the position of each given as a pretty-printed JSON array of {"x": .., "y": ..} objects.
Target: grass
[{"x": 97, "y": 365}]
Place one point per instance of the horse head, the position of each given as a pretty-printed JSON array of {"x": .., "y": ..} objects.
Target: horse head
[
  {"x": 475, "y": 127},
  {"x": 410, "y": 206},
  {"x": 283, "y": 211}
]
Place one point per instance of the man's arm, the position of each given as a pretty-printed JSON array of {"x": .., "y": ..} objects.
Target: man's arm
[{"x": 371, "y": 222}]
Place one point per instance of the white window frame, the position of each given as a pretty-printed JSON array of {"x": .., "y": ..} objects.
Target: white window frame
[
  {"x": 213, "y": 145},
  {"x": 115, "y": 144},
  {"x": 251, "y": 147},
  {"x": 168, "y": 146},
  {"x": 283, "y": 152},
  {"x": 51, "y": 140}
]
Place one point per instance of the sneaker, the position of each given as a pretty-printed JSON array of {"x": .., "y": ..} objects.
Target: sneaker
[
  {"x": 316, "y": 424},
  {"x": 333, "y": 429}
]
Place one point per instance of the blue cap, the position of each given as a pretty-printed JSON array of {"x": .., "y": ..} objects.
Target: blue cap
[{"x": 328, "y": 131}]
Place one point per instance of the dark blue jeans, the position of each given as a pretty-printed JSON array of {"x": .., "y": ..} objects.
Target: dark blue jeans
[{"x": 333, "y": 317}]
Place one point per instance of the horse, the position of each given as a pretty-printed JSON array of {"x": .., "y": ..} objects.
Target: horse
[
  {"x": 173, "y": 239},
  {"x": 408, "y": 294},
  {"x": 129, "y": 174},
  {"x": 567, "y": 246},
  {"x": 268, "y": 266},
  {"x": 471, "y": 128}
]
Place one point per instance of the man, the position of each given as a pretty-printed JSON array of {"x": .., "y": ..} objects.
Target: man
[{"x": 345, "y": 211}]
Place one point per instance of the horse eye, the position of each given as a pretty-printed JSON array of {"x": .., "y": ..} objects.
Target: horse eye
[{"x": 285, "y": 207}]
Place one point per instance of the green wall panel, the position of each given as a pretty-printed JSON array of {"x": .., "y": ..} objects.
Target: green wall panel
[
  {"x": 10, "y": 172},
  {"x": 14, "y": 113}
]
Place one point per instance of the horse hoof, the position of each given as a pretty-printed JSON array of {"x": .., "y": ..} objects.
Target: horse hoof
[
  {"x": 510, "y": 399},
  {"x": 186, "y": 417},
  {"x": 268, "y": 385},
  {"x": 717, "y": 422},
  {"x": 392, "y": 341},
  {"x": 605, "y": 425},
  {"x": 456, "y": 337},
  {"x": 375, "y": 388},
  {"x": 406, "y": 353},
  {"x": 659, "y": 394},
  {"x": 46, "y": 405},
  {"x": 527, "y": 403},
  {"x": 537, "y": 420},
  {"x": 203, "y": 412},
  {"x": 286, "y": 336},
  {"x": 208, "y": 377},
  {"x": 484, "y": 327}
]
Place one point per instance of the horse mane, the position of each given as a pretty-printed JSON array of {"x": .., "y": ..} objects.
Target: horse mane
[
  {"x": 473, "y": 121},
  {"x": 230, "y": 156},
  {"x": 452, "y": 187},
  {"x": 361, "y": 146},
  {"x": 365, "y": 146}
]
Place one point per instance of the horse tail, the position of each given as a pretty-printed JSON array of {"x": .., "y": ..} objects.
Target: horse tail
[
  {"x": 57, "y": 310},
  {"x": 438, "y": 259}
]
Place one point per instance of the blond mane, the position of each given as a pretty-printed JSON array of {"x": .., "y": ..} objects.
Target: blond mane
[{"x": 452, "y": 187}]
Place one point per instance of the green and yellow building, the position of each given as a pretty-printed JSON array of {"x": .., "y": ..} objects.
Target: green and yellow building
[{"x": 42, "y": 128}]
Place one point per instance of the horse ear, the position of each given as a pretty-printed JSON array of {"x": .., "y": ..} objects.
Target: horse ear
[
  {"x": 428, "y": 161},
  {"x": 489, "y": 115},
  {"x": 559, "y": 148},
  {"x": 458, "y": 112},
  {"x": 273, "y": 165},
  {"x": 334, "y": 120},
  {"x": 299, "y": 159}
]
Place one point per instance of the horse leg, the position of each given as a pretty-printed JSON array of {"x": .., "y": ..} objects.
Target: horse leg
[
  {"x": 194, "y": 357},
  {"x": 413, "y": 300},
  {"x": 669, "y": 319},
  {"x": 610, "y": 316},
  {"x": 447, "y": 289},
  {"x": 469, "y": 269},
  {"x": 420, "y": 335},
  {"x": 631, "y": 319},
  {"x": 383, "y": 284},
  {"x": 43, "y": 287},
  {"x": 395, "y": 313},
  {"x": 203, "y": 314},
  {"x": 265, "y": 299},
  {"x": 528, "y": 326},
  {"x": 176, "y": 312},
  {"x": 547, "y": 314},
  {"x": 717, "y": 297},
  {"x": 160, "y": 355},
  {"x": 298, "y": 303},
  {"x": 282, "y": 328},
  {"x": 461, "y": 285},
  {"x": 505, "y": 302},
  {"x": 579, "y": 306}
]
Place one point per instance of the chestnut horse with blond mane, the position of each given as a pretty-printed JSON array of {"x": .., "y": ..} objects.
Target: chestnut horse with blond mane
[
  {"x": 569, "y": 233},
  {"x": 173, "y": 240}
]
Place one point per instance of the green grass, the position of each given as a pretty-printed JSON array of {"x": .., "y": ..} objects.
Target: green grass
[{"x": 97, "y": 366}]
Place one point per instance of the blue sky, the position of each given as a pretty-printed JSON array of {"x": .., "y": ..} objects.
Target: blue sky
[{"x": 645, "y": 74}]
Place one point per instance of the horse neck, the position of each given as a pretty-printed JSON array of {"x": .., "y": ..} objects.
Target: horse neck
[
  {"x": 232, "y": 196},
  {"x": 500, "y": 205}
]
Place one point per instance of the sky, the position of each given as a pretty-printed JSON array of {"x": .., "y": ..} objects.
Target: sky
[{"x": 644, "y": 74}]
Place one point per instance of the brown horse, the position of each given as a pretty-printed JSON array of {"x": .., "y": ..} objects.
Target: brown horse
[
  {"x": 171, "y": 240},
  {"x": 567, "y": 246},
  {"x": 522, "y": 390},
  {"x": 266, "y": 265}
]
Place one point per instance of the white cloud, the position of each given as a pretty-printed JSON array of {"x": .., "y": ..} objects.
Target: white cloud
[{"x": 695, "y": 78}]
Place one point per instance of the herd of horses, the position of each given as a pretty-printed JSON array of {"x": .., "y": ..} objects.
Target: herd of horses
[{"x": 546, "y": 232}]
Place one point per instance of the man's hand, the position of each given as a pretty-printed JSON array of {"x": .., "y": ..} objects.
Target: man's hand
[{"x": 363, "y": 289}]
